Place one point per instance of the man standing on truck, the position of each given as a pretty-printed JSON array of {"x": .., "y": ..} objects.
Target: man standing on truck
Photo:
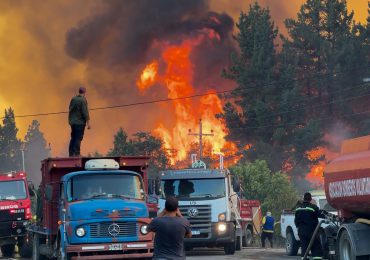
[
  {"x": 306, "y": 220},
  {"x": 267, "y": 229},
  {"x": 78, "y": 119},
  {"x": 170, "y": 229}
]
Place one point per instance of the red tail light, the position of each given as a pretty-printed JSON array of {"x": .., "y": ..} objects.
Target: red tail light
[{"x": 28, "y": 213}]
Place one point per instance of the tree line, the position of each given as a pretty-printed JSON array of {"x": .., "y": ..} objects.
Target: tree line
[{"x": 293, "y": 94}]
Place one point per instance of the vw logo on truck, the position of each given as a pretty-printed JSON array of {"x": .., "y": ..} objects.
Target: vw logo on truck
[{"x": 192, "y": 212}]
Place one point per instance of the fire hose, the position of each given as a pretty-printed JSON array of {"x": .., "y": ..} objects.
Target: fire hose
[{"x": 313, "y": 238}]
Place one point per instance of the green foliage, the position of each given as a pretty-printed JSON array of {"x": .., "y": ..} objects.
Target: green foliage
[
  {"x": 142, "y": 144},
  {"x": 35, "y": 150},
  {"x": 273, "y": 189},
  {"x": 275, "y": 117},
  {"x": 10, "y": 145}
]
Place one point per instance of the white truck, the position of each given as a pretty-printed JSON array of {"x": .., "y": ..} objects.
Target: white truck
[
  {"x": 209, "y": 200},
  {"x": 289, "y": 230}
]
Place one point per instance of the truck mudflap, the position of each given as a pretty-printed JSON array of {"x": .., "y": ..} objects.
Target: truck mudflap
[{"x": 130, "y": 250}]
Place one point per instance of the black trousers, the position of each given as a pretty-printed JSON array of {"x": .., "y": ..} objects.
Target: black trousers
[
  {"x": 305, "y": 238},
  {"x": 77, "y": 134},
  {"x": 269, "y": 236}
]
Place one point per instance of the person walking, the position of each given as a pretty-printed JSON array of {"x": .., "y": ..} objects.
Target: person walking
[
  {"x": 78, "y": 118},
  {"x": 306, "y": 220},
  {"x": 170, "y": 229},
  {"x": 268, "y": 223}
]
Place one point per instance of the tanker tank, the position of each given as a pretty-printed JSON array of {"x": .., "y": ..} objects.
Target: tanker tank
[{"x": 347, "y": 179}]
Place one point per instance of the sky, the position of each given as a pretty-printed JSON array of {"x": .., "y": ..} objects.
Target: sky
[{"x": 49, "y": 48}]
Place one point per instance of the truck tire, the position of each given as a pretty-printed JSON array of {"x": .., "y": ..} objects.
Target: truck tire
[
  {"x": 248, "y": 237},
  {"x": 291, "y": 244},
  {"x": 230, "y": 248},
  {"x": 8, "y": 250},
  {"x": 25, "y": 247},
  {"x": 324, "y": 244},
  {"x": 36, "y": 248},
  {"x": 346, "y": 248},
  {"x": 238, "y": 245}
]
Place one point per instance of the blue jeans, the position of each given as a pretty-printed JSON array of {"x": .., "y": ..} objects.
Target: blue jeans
[{"x": 77, "y": 134}]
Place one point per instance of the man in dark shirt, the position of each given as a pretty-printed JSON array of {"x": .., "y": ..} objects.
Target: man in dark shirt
[
  {"x": 78, "y": 119},
  {"x": 170, "y": 228},
  {"x": 306, "y": 219}
]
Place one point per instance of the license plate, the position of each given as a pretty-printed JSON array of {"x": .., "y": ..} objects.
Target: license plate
[
  {"x": 114, "y": 247},
  {"x": 195, "y": 232}
]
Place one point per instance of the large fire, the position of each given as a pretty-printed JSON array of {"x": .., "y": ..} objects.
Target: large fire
[{"x": 177, "y": 77}]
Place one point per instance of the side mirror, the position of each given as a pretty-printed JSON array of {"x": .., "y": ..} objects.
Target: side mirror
[
  {"x": 236, "y": 183},
  {"x": 31, "y": 190},
  {"x": 48, "y": 192},
  {"x": 158, "y": 189}
]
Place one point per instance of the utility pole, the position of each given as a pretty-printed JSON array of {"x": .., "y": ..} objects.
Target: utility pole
[{"x": 200, "y": 134}]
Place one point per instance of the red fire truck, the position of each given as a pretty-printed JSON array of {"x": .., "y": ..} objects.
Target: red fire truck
[{"x": 15, "y": 214}]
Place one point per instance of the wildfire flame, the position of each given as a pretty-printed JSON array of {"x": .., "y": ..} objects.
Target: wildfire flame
[
  {"x": 148, "y": 76},
  {"x": 177, "y": 77},
  {"x": 316, "y": 175}
]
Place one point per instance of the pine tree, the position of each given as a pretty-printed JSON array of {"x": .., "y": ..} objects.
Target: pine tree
[
  {"x": 35, "y": 150},
  {"x": 10, "y": 145},
  {"x": 142, "y": 144}
]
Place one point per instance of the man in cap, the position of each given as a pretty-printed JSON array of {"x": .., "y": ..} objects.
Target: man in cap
[
  {"x": 78, "y": 119},
  {"x": 306, "y": 219}
]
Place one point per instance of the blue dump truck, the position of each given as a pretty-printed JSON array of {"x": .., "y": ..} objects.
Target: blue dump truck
[{"x": 92, "y": 209}]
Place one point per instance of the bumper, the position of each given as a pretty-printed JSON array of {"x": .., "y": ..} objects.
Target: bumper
[
  {"x": 13, "y": 228},
  {"x": 130, "y": 250},
  {"x": 213, "y": 239}
]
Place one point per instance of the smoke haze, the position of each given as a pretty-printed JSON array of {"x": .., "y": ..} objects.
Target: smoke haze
[{"x": 49, "y": 48}]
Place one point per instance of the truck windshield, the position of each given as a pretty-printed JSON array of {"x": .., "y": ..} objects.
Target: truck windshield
[
  {"x": 84, "y": 187},
  {"x": 12, "y": 190},
  {"x": 194, "y": 188}
]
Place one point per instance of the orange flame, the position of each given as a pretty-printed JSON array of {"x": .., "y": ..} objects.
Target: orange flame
[
  {"x": 177, "y": 78},
  {"x": 148, "y": 76},
  {"x": 316, "y": 175}
]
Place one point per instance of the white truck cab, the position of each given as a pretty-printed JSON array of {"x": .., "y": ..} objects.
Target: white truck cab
[{"x": 208, "y": 199}]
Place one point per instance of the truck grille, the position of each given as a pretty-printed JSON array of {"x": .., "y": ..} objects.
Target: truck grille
[
  {"x": 201, "y": 221},
  {"x": 105, "y": 229}
]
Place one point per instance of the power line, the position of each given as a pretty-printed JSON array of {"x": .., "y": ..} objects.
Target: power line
[
  {"x": 196, "y": 95},
  {"x": 295, "y": 123},
  {"x": 319, "y": 105}
]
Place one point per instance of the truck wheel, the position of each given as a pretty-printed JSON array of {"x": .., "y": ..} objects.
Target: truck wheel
[
  {"x": 25, "y": 247},
  {"x": 324, "y": 244},
  {"x": 248, "y": 237},
  {"x": 346, "y": 247},
  {"x": 238, "y": 242},
  {"x": 291, "y": 244},
  {"x": 230, "y": 248},
  {"x": 8, "y": 250},
  {"x": 36, "y": 248}
]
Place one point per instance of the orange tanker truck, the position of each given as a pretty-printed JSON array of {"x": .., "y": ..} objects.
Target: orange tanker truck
[{"x": 347, "y": 188}]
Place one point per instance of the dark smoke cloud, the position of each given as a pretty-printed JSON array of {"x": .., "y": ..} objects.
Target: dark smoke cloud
[{"x": 122, "y": 34}]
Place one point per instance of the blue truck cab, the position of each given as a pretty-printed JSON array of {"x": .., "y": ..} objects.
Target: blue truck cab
[{"x": 98, "y": 212}]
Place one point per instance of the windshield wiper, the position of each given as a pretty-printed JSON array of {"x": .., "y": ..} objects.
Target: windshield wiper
[
  {"x": 97, "y": 196},
  {"x": 120, "y": 196}
]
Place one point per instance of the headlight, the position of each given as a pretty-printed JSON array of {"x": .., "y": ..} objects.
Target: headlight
[
  {"x": 144, "y": 229},
  {"x": 221, "y": 227},
  {"x": 222, "y": 217},
  {"x": 80, "y": 232}
]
